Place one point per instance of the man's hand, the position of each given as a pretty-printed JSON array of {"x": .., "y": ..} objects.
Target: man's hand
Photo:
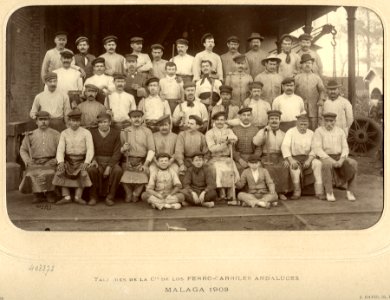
[
  {"x": 272, "y": 191},
  {"x": 195, "y": 197},
  {"x": 84, "y": 166},
  {"x": 135, "y": 86},
  {"x": 126, "y": 147},
  {"x": 201, "y": 196},
  {"x": 243, "y": 163},
  {"x": 61, "y": 167},
  {"x": 82, "y": 73},
  {"x": 307, "y": 163},
  {"x": 94, "y": 164},
  {"x": 144, "y": 168},
  {"x": 107, "y": 172},
  {"x": 293, "y": 163},
  {"x": 285, "y": 164},
  {"x": 182, "y": 169}
]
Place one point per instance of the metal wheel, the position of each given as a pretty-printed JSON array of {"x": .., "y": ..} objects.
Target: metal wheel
[{"x": 365, "y": 136}]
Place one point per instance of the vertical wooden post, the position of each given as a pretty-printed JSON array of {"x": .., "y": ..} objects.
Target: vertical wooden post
[{"x": 351, "y": 11}]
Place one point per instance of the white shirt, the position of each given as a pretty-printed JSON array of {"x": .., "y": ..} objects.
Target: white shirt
[
  {"x": 290, "y": 106},
  {"x": 101, "y": 81},
  {"x": 255, "y": 174},
  {"x": 296, "y": 143},
  {"x": 343, "y": 108},
  {"x": 143, "y": 60},
  {"x": 154, "y": 107},
  {"x": 205, "y": 87},
  {"x": 211, "y": 56},
  {"x": 199, "y": 109},
  {"x": 68, "y": 80},
  {"x": 121, "y": 104},
  {"x": 184, "y": 64},
  {"x": 259, "y": 111},
  {"x": 170, "y": 88}
]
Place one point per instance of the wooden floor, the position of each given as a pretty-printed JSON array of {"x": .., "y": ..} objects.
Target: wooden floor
[{"x": 307, "y": 213}]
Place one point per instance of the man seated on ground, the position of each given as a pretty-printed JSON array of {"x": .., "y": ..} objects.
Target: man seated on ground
[
  {"x": 104, "y": 171},
  {"x": 270, "y": 138},
  {"x": 74, "y": 155},
  {"x": 304, "y": 168},
  {"x": 330, "y": 145},
  {"x": 90, "y": 108},
  {"x": 260, "y": 186},
  {"x": 164, "y": 185},
  {"x": 38, "y": 152},
  {"x": 198, "y": 185}
]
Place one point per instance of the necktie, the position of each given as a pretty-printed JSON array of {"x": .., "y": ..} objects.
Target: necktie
[{"x": 288, "y": 58}]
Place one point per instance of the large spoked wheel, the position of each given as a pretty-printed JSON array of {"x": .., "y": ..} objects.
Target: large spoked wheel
[{"x": 365, "y": 136}]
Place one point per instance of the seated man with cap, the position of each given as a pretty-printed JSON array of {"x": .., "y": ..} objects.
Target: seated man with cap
[
  {"x": 220, "y": 140},
  {"x": 310, "y": 88},
  {"x": 270, "y": 78},
  {"x": 305, "y": 47},
  {"x": 198, "y": 184},
  {"x": 207, "y": 88},
  {"x": 304, "y": 168},
  {"x": 189, "y": 142},
  {"x": 289, "y": 104},
  {"x": 228, "y": 64},
  {"x": 255, "y": 55},
  {"x": 144, "y": 64},
  {"x": 90, "y": 108},
  {"x": 165, "y": 142},
  {"x": 83, "y": 59},
  {"x": 119, "y": 103},
  {"x": 138, "y": 150},
  {"x": 135, "y": 81},
  {"x": 104, "y": 171},
  {"x": 171, "y": 86},
  {"x": 258, "y": 188},
  {"x": 114, "y": 62},
  {"x": 330, "y": 145},
  {"x": 158, "y": 62},
  {"x": 259, "y": 106},
  {"x": 289, "y": 65},
  {"x": 153, "y": 106},
  {"x": 190, "y": 106},
  {"x": 239, "y": 81},
  {"x": 104, "y": 82},
  {"x": 164, "y": 185},
  {"x": 52, "y": 101},
  {"x": 245, "y": 131},
  {"x": 183, "y": 61},
  {"x": 270, "y": 138},
  {"x": 207, "y": 55},
  {"x": 337, "y": 104},
  {"x": 69, "y": 80},
  {"x": 225, "y": 104},
  {"x": 74, "y": 155},
  {"x": 38, "y": 152}
]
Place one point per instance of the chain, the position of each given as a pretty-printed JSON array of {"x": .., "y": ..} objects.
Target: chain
[{"x": 334, "y": 43}]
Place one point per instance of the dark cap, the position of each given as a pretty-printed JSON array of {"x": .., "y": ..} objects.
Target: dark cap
[
  {"x": 225, "y": 89},
  {"x": 81, "y": 39},
  {"x": 60, "y": 32},
  {"x": 329, "y": 115},
  {"x": 333, "y": 84},
  {"x": 50, "y": 75},
  {"x": 233, "y": 38},
  {"x": 219, "y": 114},
  {"x": 305, "y": 36},
  {"x": 67, "y": 54},
  {"x": 189, "y": 84},
  {"x": 256, "y": 85},
  {"x": 288, "y": 80},
  {"x": 306, "y": 57},
  {"x": 42, "y": 115},
  {"x": 206, "y": 36},
  {"x": 157, "y": 46},
  {"x": 164, "y": 119},
  {"x": 75, "y": 114},
  {"x": 181, "y": 42},
  {"x": 131, "y": 57},
  {"x": 162, "y": 154},
  {"x": 90, "y": 86},
  {"x": 152, "y": 79},
  {"x": 98, "y": 60},
  {"x": 109, "y": 38},
  {"x": 254, "y": 36},
  {"x": 103, "y": 116},
  {"x": 271, "y": 57},
  {"x": 197, "y": 154},
  {"x": 136, "y": 39},
  {"x": 244, "y": 109},
  {"x": 239, "y": 58},
  {"x": 253, "y": 158},
  {"x": 303, "y": 116},
  {"x": 197, "y": 119},
  {"x": 286, "y": 36},
  {"x": 119, "y": 76},
  {"x": 206, "y": 95},
  {"x": 135, "y": 113},
  {"x": 274, "y": 113}
]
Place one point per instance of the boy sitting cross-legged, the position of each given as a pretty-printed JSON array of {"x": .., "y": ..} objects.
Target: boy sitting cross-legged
[
  {"x": 260, "y": 186},
  {"x": 164, "y": 185}
]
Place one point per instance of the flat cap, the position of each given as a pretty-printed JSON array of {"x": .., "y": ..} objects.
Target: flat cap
[
  {"x": 157, "y": 46},
  {"x": 219, "y": 114},
  {"x": 182, "y": 42},
  {"x": 119, "y": 76},
  {"x": 197, "y": 119},
  {"x": 109, "y": 38},
  {"x": 215, "y": 97},
  {"x": 98, "y": 60},
  {"x": 189, "y": 84},
  {"x": 244, "y": 109},
  {"x": 271, "y": 57},
  {"x": 206, "y": 36},
  {"x": 286, "y": 36},
  {"x": 255, "y": 36},
  {"x": 306, "y": 57},
  {"x": 152, "y": 79},
  {"x": 135, "y": 113},
  {"x": 274, "y": 112},
  {"x": 197, "y": 154},
  {"x": 233, "y": 38},
  {"x": 253, "y": 158},
  {"x": 67, "y": 53},
  {"x": 90, "y": 86},
  {"x": 305, "y": 36},
  {"x": 329, "y": 115},
  {"x": 131, "y": 57},
  {"x": 50, "y": 75},
  {"x": 303, "y": 116},
  {"x": 136, "y": 39},
  {"x": 42, "y": 115},
  {"x": 239, "y": 58},
  {"x": 75, "y": 114},
  {"x": 163, "y": 119},
  {"x": 225, "y": 89},
  {"x": 333, "y": 84},
  {"x": 81, "y": 39},
  {"x": 103, "y": 116},
  {"x": 60, "y": 32},
  {"x": 162, "y": 154},
  {"x": 288, "y": 80},
  {"x": 256, "y": 85}
]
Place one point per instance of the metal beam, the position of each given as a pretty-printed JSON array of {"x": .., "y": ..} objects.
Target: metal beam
[{"x": 351, "y": 11}]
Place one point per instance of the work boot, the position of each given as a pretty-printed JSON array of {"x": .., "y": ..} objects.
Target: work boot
[
  {"x": 92, "y": 201},
  {"x": 38, "y": 198},
  {"x": 330, "y": 197},
  {"x": 109, "y": 201},
  {"x": 64, "y": 200},
  {"x": 350, "y": 196},
  {"x": 297, "y": 191},
  {"x": 208, "y": 204},
  {"x": 176, "y": 205},
  {"x": 80, "y": 201},
  {"x": 129, "y": 198},
  {"x": 51, "y": 197},
  {"x": 319, "y": 190},
  {"x": 282, "y": 197},
  {"x": 135, "y": 198}
]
